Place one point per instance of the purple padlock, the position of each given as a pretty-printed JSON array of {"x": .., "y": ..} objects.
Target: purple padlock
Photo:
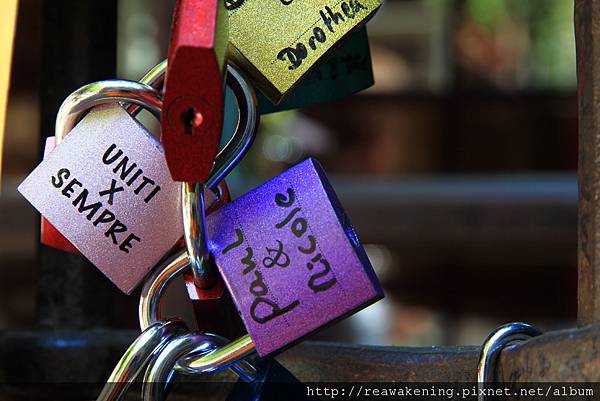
[{"x": 290, "y": 258}]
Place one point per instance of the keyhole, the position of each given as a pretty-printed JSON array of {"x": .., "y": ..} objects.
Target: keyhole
[{"x": 191, "y": 119}]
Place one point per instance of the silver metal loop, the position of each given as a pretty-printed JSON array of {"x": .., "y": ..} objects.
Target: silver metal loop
[
  {"x": 155, "y": 285},
  {"x": 160, "y": 372},
  {"x": 137, "y": 356},
  {"x": 493, "y": 346},
  {"x": 102, "y": 92},
  {"x": 236, "y": 148},
  {"x": 195, "y": 232},
  {"x": 154, "y": 78},
  {"x": 221, "y": 358},
  {"x": 149, "y": 313},
  {"x": 245, "y": 369}
]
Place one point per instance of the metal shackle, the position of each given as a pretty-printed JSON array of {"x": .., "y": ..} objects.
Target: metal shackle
[
  {"x": 493, "y": 346},
  {"x": 160, "y": 371},
  {"x": 137, "y": 357},
  {"x": 142, "y": 95},
  {"x": 149, "y": 313},
  {"x": 88, "y": 96}
]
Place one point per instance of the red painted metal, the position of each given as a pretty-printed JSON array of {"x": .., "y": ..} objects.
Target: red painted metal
[{"x": 192, "y": 117}]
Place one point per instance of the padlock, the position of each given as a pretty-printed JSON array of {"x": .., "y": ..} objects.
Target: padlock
[
  {"x": 124, "y": 226},
  {"x": 50, "y": 236},
  {"x": 192, "y": 120},
  {"x": 277, "y": 42},
  {"x": 290, "y": 259},
  {"x": 342, "y": 72},
  {"x": 107, "y": 189}
]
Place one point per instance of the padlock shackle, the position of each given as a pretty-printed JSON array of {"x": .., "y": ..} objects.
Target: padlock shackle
[
  {"x": 142, "y": 94},
  {"x": 234, "y": 150},
  {"x": 149, "y": 313},
  {"x": 83, "y": 99},
  {"x": 137, "y": 356},
  {"x": 159, "y": 373},
  {"x": 492, "y": 347}
]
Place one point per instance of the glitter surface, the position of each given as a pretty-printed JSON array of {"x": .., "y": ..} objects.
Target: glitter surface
[
  {"x": 278, "y": 43},
  {"x": 285, "y": 254},
  {"x": 134, "y": 194}
]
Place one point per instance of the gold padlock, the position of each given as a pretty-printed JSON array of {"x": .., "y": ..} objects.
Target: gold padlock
[{"x": 277, "y": 41}]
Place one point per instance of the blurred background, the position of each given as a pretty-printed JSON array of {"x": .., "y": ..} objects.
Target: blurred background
[{"x": 457, "y": 167}]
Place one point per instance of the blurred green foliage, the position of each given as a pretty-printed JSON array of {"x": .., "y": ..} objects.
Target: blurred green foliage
[{"x": 551, "y": 57}]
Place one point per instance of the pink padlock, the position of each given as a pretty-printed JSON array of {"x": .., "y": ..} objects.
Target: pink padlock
[
  {"x": 50, "y": 236},
  {"x": 107, "y": 189}
]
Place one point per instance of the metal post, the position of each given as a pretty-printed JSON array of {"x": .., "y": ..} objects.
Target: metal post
[
  {"x": 587, "y": 32},
  {"x": 79, "y": 45}
]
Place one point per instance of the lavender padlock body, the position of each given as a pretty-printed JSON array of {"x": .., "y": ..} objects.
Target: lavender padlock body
[
  {"x": 290, "y": 258},
  {"x": 107, "y": 189}
]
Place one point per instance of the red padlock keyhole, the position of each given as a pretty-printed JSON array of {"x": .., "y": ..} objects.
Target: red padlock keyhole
[{"x": 194, "y": 93}]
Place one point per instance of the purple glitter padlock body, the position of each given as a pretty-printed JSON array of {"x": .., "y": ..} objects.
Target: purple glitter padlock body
[{"x": 290, "y": 258}]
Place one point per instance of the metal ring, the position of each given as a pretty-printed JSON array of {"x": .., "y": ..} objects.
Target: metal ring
[
  {"x": 160, "y": 371},
  {"x": 137, "y": 356},
  {"x": 195, "y": 233},
  {"x": 149, "y": 313},
  {"x": 235, "y": 149},
  {"x": 154, "y": 78},
  {"x": 493, "y": 346},
  {"x": 155, "y": 285}
]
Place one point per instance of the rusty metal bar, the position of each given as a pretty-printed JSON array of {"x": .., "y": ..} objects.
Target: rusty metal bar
[
  {"x": 558, "y": 356},
  {"x": 587, "y": 34}
]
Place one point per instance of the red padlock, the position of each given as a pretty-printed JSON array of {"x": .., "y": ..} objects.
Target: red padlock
[{"x": 194, "y": 92}]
